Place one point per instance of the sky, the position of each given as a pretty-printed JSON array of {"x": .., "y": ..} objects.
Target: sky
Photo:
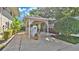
[{"x": 24, "y": 11}]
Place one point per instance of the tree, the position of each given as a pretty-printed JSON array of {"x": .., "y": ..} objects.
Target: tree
[
  {"x": 63, "y": 15},
  {"x": 16, "y": 25},
  {"x": 42, "y": 12},
  {"x": 67, "y": 26},
  {"x": 56, "y": 12}
]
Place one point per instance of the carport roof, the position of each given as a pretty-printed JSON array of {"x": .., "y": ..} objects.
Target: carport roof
[{"x": 32, "y": 17}]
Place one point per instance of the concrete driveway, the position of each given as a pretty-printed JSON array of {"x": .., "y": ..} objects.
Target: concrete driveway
[{"x": 21, "y": 43}]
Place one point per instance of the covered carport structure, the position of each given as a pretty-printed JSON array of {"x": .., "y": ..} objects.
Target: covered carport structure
[{"x": 35, "y": 20}]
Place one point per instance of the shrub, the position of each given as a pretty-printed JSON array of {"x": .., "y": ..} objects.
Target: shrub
[
  {"x": 7, "y": 34},
  {"x": 15, "y": 25},
  {"x": 70, "y": 39},
  {"x": 67, "y": 26},
  {"x": 14, "y": 31},
  {"x": 10, "y": 32}
]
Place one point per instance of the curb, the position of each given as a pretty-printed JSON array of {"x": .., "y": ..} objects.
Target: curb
[{"x": 5, "y": 43}]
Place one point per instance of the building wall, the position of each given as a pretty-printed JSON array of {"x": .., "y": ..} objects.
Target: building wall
[
  {"x": 4, "y": 23},
  {"x": 5, "y": 18},
  {"x": 7, "y": 13}
]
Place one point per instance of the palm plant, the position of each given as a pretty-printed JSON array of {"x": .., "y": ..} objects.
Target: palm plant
[{"x": 16, "y": 25}]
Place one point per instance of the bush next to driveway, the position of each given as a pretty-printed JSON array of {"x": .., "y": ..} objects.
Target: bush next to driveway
[
  {"x": 7, "y": 34},
  {"x": 67, "y": 26},
  {"x": 70, "y": 39}
]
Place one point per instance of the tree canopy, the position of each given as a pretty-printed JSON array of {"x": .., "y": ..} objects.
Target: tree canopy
[
  {"x": 57, "y": 12},
  {"x": 66, "y": 24}
]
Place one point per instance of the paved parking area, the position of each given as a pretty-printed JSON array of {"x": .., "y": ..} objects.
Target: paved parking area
[{"x": 21, "y": 43}]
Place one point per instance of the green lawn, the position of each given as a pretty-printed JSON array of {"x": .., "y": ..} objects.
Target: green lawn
[{"x": 70, "y": 39}]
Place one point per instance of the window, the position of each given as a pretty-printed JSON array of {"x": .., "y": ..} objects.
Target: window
[
  {"x": 4, "y": 8},
  {"x": 11, "y": 13},
  {"x": 7, "y": 24}
]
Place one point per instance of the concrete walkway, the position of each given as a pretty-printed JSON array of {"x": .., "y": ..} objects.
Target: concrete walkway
[
  {"x": 21, "y": 43},
  {"x": 71, "y": 48}
]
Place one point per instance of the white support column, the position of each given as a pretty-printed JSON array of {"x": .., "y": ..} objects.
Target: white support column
[
  {"x": 47, "y": 28},
  {"x": 29, "y": 28},
  {"x": 26, "y": 29}
]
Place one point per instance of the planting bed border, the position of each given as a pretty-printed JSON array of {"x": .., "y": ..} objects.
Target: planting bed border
[{"x": 5, "y": 43}]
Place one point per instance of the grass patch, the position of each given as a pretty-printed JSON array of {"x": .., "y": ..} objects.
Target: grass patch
[{"x": 70, "y": 39}]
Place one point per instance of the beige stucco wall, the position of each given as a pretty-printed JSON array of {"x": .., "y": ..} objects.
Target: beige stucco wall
[{"x": 3, "y": 22}]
